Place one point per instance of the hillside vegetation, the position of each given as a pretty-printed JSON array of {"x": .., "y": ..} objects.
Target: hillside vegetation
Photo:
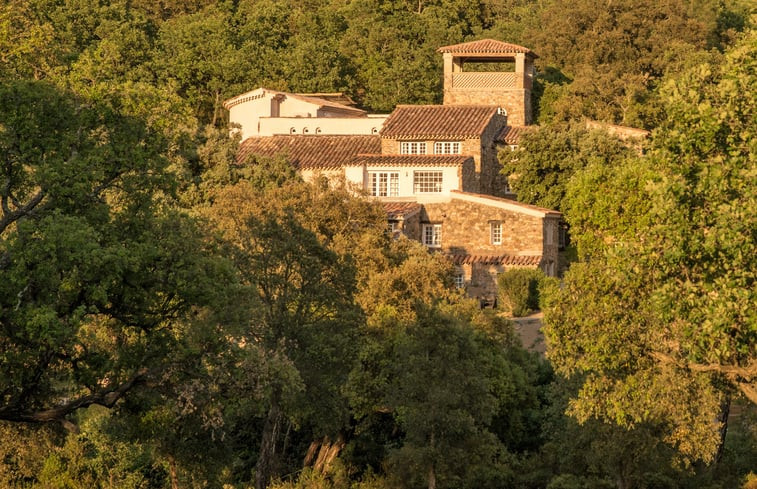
[{"x": 173, "y": 318}]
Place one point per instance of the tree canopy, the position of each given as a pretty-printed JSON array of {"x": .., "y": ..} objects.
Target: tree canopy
[
  {"x": 97, "y": 270},
  {"x": 198, "y": 321},
  {"x": 658, "y": 317}
]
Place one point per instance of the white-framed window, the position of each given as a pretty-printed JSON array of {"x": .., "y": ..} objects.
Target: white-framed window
[
  {"x": 384, "y": 184},
  {"x": 413, "y": 147},
  {"x": 459, "y": 278},
  {"x": 432, "y": 235},
  {"x": 447, "y": 148},
  {"x": 425, "y": 182},
  {"x": 495, "y": 228}
]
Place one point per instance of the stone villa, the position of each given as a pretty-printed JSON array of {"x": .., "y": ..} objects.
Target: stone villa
[{"x": 434, "y": 167}]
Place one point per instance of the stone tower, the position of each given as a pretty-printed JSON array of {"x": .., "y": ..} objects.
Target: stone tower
[{"x": 509, "y": 90}]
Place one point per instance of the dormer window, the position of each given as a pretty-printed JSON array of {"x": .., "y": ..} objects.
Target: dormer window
[
  {"x": 413, "y": 147},
  {"x": 447, "y": 148}
]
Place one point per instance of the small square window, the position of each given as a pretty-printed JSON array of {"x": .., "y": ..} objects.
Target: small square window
[{"x": 459, "y": 279}]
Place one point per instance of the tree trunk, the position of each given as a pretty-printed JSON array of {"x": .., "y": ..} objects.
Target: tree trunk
[
  {"x": 173, "y": 473},
  {"x": 431, "y": 471},
  {"x": 322, "y": 453},
  {"x": 267, "y": 464},
  {"x": 725, "y": 409},
  {"x": 431, "y": 477}
]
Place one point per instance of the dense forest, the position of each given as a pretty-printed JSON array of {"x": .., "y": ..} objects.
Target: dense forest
[{"x": 171, "y": 317}]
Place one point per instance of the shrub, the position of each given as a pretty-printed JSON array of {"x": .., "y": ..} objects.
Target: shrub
[{"x": 519, "y": 290}]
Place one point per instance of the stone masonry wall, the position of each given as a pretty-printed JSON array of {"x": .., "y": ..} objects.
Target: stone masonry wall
[
  {"x": 411, "y": 227},
  {"x": 481, "y": 280},
  {"x": 550, "y": 254},
  {"x": 466, "y": 229},
  {"x": 491, "y": 179},
  {"x": 468, "y": 178},
  {"x": 516, "y": 101}
]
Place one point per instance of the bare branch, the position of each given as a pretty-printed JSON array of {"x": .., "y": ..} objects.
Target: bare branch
[
  {"x": 749, "y": 390},
  {"x": 107, "y": 398},
  {"x": 729, "y": 370},
  {"x": 11, "y": 216}
]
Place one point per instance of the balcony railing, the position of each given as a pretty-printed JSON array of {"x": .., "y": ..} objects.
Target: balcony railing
[{"x": 485, "y": 80}]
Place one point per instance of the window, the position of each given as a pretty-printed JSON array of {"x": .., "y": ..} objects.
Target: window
[
  {"x": 432, "y": 235},
  {"x": 550, "y": 238},
  {"x": 459, "y": 279},
  {"x": 447, "y": 148},
  {"x": 384, "y": 184},
  {"x": 427, "y": 182},
  {"x": 395, "y": 229},
  {"x": 413, "y": 148},
  {"x": 496, "y": 232}
]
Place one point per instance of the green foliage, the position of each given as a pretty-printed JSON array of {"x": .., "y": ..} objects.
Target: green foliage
[
  {"x": 519, "y": 290},
  {"x": 659, "y": 319},
  {"x": 281, "y": 312},
  {"x": 545, "y": 161},
  {"x": 98, "y": 270},
  {"x": 615, "y": 55}
]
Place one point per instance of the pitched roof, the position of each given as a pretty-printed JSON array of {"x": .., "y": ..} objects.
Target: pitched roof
[
  {"x": 438, "y": 121},
  {"x": 512, "y": 134},
  {"x": 326, "y": 101},
  {"x": 485, "y": 46},
  {"x": 310, "y": 151},
  {"x": 337, "y": 97},
  {"x": 322, "y": 102},
  {"x": 504, "y": 203},
  {"x": 524, "y": 261},
  {"x": 401, "y": 210},
  {"x": 408, "y": 160}
]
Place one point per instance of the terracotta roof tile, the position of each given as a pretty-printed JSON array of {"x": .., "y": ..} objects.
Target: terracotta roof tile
[
  {"x": 524, "y": 261},
  {"x": 438, "y": 121},
  {"x": 396, "y": 210},
  {"x": 488, "y": 46},
  {"x": 310, "y": 152},
  {"x": 407, "y": 160},
  {"x": 512, "y": 134}
]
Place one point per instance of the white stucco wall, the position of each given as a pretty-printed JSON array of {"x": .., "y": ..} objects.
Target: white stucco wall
[
  {"x": 247, "y": 114},
  {"x": 268, "y": 113},
  {"x": 450, "y": 179},
  {"x": 270, "y": 126}
]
